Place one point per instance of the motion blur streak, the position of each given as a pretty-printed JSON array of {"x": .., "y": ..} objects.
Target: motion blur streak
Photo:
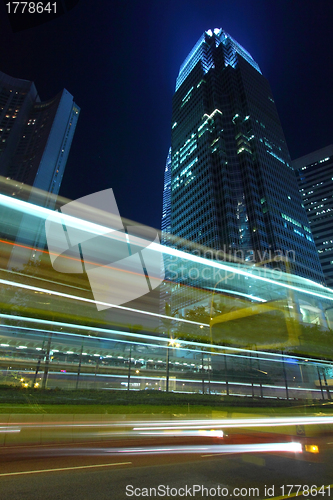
[
  {"x": 200, "y": 428},
  {"x": 43, "y": 213},
  {"x": 150, "y": 337},
  {"x": 53, "y": 336},
  {"x": 82, "y": 299},
  {"x": 234, "y": 448},
  {"x": 242, "y": 422}
]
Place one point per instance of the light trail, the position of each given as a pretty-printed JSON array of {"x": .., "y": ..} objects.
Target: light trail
[
  {"x": 97, "y": 229},
  {"x": 235, "y": 423},
  {"x": 135, "y": 426},
  {"x": 42, "y": 279},
  {"x": 91, "y": 301},
  {"x": 292, "y": 447},
  {"x": 238, "y": 294},
  {"x": 267, "y": 356}
]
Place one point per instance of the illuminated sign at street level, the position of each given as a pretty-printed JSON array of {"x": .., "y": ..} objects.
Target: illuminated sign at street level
[{"x": 122, "y": 264}]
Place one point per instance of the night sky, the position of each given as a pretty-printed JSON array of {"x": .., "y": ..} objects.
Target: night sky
[{"x": 120, "y": 59}]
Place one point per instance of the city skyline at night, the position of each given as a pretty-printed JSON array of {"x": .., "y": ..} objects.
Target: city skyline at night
[
  {"x": 125, "y": 120},
  {"x": 164, "y": 314},
  {"x": 232, "y": 183}
]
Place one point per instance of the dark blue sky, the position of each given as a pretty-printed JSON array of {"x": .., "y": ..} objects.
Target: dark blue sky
[{"x": 120, "y": 60}]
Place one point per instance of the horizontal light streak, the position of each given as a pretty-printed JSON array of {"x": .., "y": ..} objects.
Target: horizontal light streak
[
  {"x": 239, "y": 294},
  {"x": 267, "y": 356},
  {"x": 200, "y": 427},
  {"x": 237, "y": 422},
  {"x": 83, "y": 299},
  {"x": 292, "y": 447},
  {"x": 39, "y": 278},
  {"x": 185, "y": 433},
  {"x": 44, "y": 213},
  {"x": 205, "y": 428},
  {"x": 97, "y": 229},
  {"x": 173, "y": 449}
]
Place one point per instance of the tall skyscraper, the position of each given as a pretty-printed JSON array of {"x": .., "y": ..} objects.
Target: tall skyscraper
[
  {"x": 166, "y": 216},
  {"x": 233, "y": 187},
  {"x": 35, "y": 136},
  {"x": 314, "y": 173},
  {"x": 35, "y": 140}
]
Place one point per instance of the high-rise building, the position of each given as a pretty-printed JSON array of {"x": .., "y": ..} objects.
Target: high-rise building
[
  {"x": 314, "y": 173},
  {"x": 233, "y": 187},
  {"x": 166, "y": 215},
  {"x": 35, "y": 136},
  {"x": 35, "y": 140}
]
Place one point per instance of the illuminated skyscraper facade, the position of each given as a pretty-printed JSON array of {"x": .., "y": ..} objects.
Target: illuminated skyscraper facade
[
  {"x": 166, "y": 216},
  {"x": 315, "y": 179},
  {"x": 233, "y": 187}
]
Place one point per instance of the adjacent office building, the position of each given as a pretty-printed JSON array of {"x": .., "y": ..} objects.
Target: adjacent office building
[
  {"x": 166, "y": 215},
  {"x": 233, "y": 187},
  {"x": 35, "y": 140},
  {"x": 35, "y": 136},
  {"x": 314, "y": 173}
]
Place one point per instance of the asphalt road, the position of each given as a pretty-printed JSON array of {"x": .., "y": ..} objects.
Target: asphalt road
[{"x": 88, "y": 472}]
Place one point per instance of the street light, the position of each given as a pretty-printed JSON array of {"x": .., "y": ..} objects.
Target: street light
[{"x": 171, "y": 344}]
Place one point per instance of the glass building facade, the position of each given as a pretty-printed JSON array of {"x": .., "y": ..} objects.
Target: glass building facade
[
  {"x": 35, "y": 140},
  {"x": 35, "y": 136},
  {"x": 315, "y": 179},
  {"x": 166, "y": 216},
  {"x": 233, "y": 188}
]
